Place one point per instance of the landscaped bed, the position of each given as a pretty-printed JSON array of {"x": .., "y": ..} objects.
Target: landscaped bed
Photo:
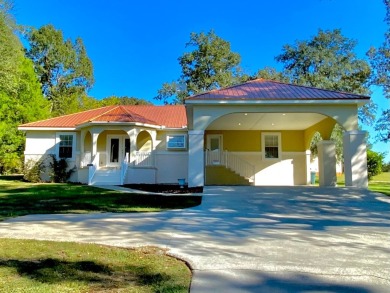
[{"x": 166, "y": 188}]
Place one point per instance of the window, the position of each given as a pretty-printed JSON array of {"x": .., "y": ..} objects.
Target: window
[
  {"x": 66, "y": 143},
  {"x": 271, "y": 145},
  {"x": 176, "y": 141}
]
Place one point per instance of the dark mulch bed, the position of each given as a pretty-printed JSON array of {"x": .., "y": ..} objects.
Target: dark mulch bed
[{"x": 165, "y": 188}]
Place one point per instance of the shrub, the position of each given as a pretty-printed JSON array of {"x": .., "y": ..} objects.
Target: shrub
[
  {"x": 59, "y": 170},
  {"x": 386, "y": 167},
  {"x": 374, "y": 163},
  {"x": 33, "y": 170}
]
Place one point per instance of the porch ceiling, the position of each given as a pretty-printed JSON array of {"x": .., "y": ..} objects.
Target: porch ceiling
[{"x": 266, "y": 121}]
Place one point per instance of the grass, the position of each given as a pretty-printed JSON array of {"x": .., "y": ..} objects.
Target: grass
[
  {"x": 380, "y": 183},
  {"x": 19, "y": 198},
  {"x": 45, "y": 266}
]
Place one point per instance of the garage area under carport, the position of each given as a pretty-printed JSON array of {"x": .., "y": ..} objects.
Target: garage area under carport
[{"x": 269, "y": 126}]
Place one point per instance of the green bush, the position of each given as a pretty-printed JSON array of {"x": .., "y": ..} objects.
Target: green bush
[
  {"x": 386, "y": 167},
  {"x": 59, "y": 170},
  {"x": 374, "y": 163},
  {"x": 33, "y": 170}
]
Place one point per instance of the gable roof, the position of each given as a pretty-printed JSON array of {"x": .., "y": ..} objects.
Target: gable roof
[
  {"x": 262, "y": 89},
  {"x": 171, "y": 116}
]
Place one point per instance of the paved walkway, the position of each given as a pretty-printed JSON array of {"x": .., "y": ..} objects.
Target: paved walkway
[{"x": 251, "y": 239}]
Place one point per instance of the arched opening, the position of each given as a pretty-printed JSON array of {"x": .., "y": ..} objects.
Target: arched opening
[
  {"x": 336, "y": 136},
  {"x": 144, "y": 142},
  {"x": 262, "y": 148}
]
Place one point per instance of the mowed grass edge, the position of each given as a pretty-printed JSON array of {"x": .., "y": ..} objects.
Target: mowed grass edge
[{"x": 45, "y": 266}]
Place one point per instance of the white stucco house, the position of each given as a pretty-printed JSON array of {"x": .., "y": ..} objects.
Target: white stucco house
[{"x": 257, "y": 133}]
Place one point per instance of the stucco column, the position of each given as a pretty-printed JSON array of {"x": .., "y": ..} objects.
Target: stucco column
[
  {"x": 195, "y": 158},
  {"x": 132, "y": 133},
  {"x": 327, "y": 163},
  {"x": 355, "y": 159},
  {"x": 95, "y": 134},
  {"x": 308, "y": 176}
]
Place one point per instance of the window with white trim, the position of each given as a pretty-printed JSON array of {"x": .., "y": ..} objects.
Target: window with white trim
[
  {"x": 271, "y": 145},
  {"x": 176, "y": 141},
  {"x": 65, "y": 145}
]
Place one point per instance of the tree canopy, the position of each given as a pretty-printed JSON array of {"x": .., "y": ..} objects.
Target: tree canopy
[
  {"x": 380, "y": 62},
  {"x": 64, "y": 69},
  {"x": 210, "y": 65},
  {"x": 21, "y": 99},
  {"x": 327, "y": 60}
]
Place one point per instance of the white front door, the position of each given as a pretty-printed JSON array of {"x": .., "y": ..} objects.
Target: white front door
[
  {"x": 114, "y": 150},
  {"x": 214, "y": 145}
]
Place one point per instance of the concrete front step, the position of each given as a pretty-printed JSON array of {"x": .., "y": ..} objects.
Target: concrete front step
[{"x": 106, "y": 177}]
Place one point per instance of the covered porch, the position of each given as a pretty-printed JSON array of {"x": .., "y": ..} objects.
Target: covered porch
[
  {"x": 108, "y": 153},
  {"x": 265, "y": 128}
]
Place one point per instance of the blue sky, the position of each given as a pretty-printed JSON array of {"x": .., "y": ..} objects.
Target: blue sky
[{"x": 134, "y": 45}]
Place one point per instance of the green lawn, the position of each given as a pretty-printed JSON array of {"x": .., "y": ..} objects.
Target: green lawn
[
  {"x": 45, "y": 266},
  {"x": 379, "y": 183},
  {"x": 19, "y": 198}
]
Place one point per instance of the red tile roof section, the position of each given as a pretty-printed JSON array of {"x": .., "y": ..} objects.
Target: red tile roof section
[
  {"x": 261, "y": 89},
  {"x": 169, "y": 116}
]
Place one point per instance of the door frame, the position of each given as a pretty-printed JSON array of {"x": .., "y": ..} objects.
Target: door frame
[
  {"x": 216, "y": 158},
  {"x": 108, "y": 150},
  {"x": 121, "y": 151}
]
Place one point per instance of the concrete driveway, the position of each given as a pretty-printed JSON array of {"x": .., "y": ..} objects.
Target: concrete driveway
[{"x": 251, "y": 239}]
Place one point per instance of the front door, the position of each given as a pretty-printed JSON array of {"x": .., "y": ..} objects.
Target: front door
[
  {"x": 114, "y": 151},
  {"x": 118, "y": 148},
  {"x": 214, "y": 145}
]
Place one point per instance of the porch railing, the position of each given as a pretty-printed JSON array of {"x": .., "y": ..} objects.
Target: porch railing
[
  {"x": 86, "y": 158},
  {"x": 232, "y": 162},
  {"x": 144, "y": 159},
  {"x": 92, "y": 168}
]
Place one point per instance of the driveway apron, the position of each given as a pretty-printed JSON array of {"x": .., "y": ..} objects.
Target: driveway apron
[{"x": 251, "y": 239}]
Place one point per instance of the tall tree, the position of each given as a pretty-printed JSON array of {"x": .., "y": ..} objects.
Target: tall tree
[
  {"x": 380, "y": 62},
  {"x": 21, "y": 99},
  {"x": 210, "y": 65},
  {"x": 327, "y": 61},
  {"x": 113, "y": 100},
  {"x": 64, "y": 69}
]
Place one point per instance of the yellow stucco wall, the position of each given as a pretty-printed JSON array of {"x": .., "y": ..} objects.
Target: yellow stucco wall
[
  {"x": 144, "y": 142},
  {"x": 250, "y": 140},
  {"x": 324, "y": 127},
  {"x": 102, "y": 139}
]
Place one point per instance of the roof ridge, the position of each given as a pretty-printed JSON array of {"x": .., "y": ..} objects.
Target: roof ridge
[
  {"x": 278, "y": 82},
  {"x": 112, "y": 107},
  {"x": 309, "y": 87},
  {"x": 132, "y": 114}
]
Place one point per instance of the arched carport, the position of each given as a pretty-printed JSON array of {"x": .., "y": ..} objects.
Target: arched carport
[{"x": 268, "y": 107}]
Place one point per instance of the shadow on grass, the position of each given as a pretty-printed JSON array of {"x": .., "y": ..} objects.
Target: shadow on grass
[
  {"x": 95, "y": 275},
  {"x": 19, "y": 198}
]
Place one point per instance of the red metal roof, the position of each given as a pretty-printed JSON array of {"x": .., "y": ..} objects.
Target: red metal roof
[
  {"x": 261, "y": 89},
  {"x": 169, "y": 116}
]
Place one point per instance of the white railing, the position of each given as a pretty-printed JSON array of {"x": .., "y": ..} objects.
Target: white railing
[
  {"x": 92, "y": 168},
  {"x": 144, "y": 159},
  {"x": 232, "y": 162},
  {"x": 124, "y": 167},
  {"x": 86, "y": 159}
]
